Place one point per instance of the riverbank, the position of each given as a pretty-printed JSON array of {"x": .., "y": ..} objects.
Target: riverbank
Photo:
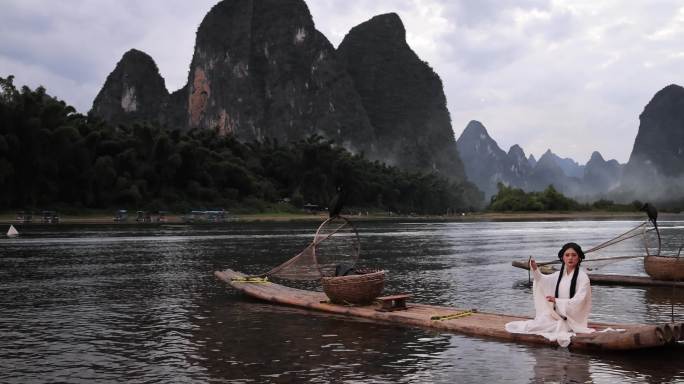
[{"x": 10, "y": 218}]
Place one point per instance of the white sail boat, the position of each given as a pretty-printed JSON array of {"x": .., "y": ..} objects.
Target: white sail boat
[{"x": 12, "y": 232}]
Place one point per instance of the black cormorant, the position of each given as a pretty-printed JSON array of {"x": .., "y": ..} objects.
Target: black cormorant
[
  {"x": 652, "y": 213},
  {"x": 335, "y": 206}
]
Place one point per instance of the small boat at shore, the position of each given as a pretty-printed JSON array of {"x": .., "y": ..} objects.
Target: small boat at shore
[
  {"x": 603, "y": 279},
  {"x": 618, "y": 337},
  {"x": 12, "y": 232}
]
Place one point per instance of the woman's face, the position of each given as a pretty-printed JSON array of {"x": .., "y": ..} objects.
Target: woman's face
[{"x": 570, "y": 258}]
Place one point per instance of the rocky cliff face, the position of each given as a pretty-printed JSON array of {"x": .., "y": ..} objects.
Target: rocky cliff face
[
  {"x": 403, "y": 97},
  {"x": 655, "y": 169},
  {"x": 133, "y": 91},
  {"x": 260, "y": 69}
]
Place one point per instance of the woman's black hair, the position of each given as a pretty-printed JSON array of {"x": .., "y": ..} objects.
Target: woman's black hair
[
  {"x": 574, "y": 246},
  {"x": 573, "y": 283}
]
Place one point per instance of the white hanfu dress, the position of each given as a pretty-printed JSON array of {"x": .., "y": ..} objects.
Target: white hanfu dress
[{"x": 570, "y": 315}]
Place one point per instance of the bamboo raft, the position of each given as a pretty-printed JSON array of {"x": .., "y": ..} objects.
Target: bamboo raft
[
  {"x": 601, "y": 279},
  {"x": 464, "y": 321}
]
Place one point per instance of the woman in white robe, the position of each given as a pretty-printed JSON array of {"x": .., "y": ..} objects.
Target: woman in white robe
[{"x": 562, "y": 300}]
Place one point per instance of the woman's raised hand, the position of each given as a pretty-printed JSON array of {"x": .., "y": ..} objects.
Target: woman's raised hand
[{"x": 533, "y": 264}]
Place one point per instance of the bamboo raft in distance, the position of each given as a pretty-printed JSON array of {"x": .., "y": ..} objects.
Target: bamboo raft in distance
[
  {"x": 601, "y": 279},
  {"x": 490, "y": 325}
]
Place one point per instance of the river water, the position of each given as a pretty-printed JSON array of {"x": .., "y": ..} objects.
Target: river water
[{"x": 139, "y": 304}]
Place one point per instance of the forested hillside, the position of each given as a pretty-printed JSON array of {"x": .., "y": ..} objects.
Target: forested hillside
[{"x": 51, "y": 156}]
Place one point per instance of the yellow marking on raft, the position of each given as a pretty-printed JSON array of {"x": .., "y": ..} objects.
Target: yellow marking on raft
[
  {"x": 248, "y": 279},
  {"x": 453, "y": 315}
]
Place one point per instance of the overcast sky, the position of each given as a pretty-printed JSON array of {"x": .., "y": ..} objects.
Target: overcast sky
[{"x": 570, "y": 76}]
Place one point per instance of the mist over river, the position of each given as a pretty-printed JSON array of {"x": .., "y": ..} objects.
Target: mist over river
[{"x": 140, "y": 304}]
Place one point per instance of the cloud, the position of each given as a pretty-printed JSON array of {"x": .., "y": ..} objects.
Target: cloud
[
  {"x": 572, "y": 76},
  {"x": 70, "y": 46}
]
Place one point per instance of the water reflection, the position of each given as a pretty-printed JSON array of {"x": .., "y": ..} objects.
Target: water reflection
[
  {"x": 331, "y": 349},
  {"x": 638, "y": 366},
  {"x": 664, "y": 303},
  {"x": 560, "y": 367}
]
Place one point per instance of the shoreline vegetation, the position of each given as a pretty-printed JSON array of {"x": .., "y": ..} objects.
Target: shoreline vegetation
[{"x": 103, "y": 218}]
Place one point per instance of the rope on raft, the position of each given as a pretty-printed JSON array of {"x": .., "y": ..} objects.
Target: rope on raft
[{"x": 453, "y": 315}]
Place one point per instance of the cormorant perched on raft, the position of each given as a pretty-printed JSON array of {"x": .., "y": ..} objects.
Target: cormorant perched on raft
[
  {"x": 335, "y": 206},
  {"x": 652, "y": 213}
]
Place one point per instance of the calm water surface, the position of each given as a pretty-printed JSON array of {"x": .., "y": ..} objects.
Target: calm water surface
[{"x": 128, "y": 303}]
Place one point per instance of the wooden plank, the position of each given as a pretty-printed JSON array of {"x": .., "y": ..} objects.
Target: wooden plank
[
  {"x": 394, "y": 297},
  {"x": 393, "y": 303},
  {"x": 634, "y": 336},
  {"x": 603, "y": 279}
]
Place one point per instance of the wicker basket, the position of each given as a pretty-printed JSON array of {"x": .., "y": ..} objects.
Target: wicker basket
[
  {"x": 354, "y": 289},
  {"x": 665, "y": 267}
]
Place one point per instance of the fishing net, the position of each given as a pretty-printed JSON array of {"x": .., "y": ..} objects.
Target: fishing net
[
  {"x": 617, "y": 249},
  {"x": 644, "y": 236},
  {"x": 335, "y": 246},
  {"x": 622, "y": 247},
  {"x": 300, "y": 267},
  {"x": 639, "y": 230}
]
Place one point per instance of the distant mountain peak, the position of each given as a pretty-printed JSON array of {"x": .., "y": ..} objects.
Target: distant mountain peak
[
  {"x": 388, "y": 25},
  {"x": 519, "y": 166},
  {"x": 596, "y": 156},
  {"x": 547, "y": 156},
  {"x": 569, "y": 166},
  {"x": 403, "y": 97},
  {"x": 133, "y": 91},
  {"x": 137, "y": 54},
  {"x": 602, "y": 175},
  {"x": 515, "y": 151},
  {"x": 476, "y": 131},
  {"x": 476, "y": 140},
  {"x": 486, "y": 164},
  {"x": 474, "y": 124}
]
